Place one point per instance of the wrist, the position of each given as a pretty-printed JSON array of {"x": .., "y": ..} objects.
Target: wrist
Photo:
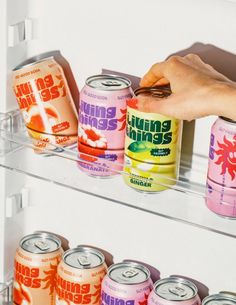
[{"x": 223, "y": 99}]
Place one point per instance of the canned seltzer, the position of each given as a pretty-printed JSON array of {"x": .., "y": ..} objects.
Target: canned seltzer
[
  {"x": 152, "y": 145},
  {"x": 221, "y": 178},
  {"x": 174, "y": 290},
  {"x": 80, "y": 275},
  {"x": 102, "y": 121},
  {"x": 45, "y": 101},
  {"x": 35, "y": 269},
  {"x": 126, "y": 283},
  {"x": 219, "y": 299}
]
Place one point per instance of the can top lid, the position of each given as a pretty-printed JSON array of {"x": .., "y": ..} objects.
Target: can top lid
[
  {"x": 156, "y": 91},
  {"x": 31, "y": 61},
  {"x": 83, "y": 258},
  {"x": 219, "y": 299},
  {"x": 226, "y": 119},
  {"x": 128, "y": 273},
  {"x": 175, "y": 289},
  {"x": 108, "y": 82},
  {"x": 40, "y": 243}
]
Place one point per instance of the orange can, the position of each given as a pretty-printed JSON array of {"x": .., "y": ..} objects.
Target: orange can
[
  {"x": 45, "y": 102},
  {"x": 35, "y": 269},
  {"x": 80, "y": 274}
]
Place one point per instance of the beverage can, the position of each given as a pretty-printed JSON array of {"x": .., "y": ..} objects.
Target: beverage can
[
  {"x": 152, "y": 144},
  {"x": 149, "y": 177},
  {"x": 221, "y": 177},
  {"x": 80, "y": 274},
  {"x": 45, "y": 101},
  {"x": 219, "y": 299},
  {"x": 126, "y": 283},
  {"x": 174, "y": 291},
  {"x": 102, "y": 121},
  {"x": 35, "y": 269}
]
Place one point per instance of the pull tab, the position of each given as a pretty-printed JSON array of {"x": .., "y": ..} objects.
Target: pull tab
[
  {"x": 110, "y": 83},
  {"x": 42, "y": 245},
  {"x": 84, "y": 260},
  {"x": 180, "y": 292},
  {"x": 130, "y": 273}
]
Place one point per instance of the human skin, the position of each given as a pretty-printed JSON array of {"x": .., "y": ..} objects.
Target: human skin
[{"x": 198, "y": 90}]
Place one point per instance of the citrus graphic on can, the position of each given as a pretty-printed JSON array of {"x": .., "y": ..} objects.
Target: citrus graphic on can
[{"x": 152, "y": 145}]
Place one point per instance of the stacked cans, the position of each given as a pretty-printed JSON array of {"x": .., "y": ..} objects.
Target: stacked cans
[
  {"x": 152, "y": 145},
  {"x": 221, "y": 178},
  {"x": 45, "y": 102},
  {"x": 102, "y": 117}
]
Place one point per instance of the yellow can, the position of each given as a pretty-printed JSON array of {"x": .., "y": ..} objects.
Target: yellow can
[
  {"x": 152, "y": 145},
  {"x": 149, "y": 177}
]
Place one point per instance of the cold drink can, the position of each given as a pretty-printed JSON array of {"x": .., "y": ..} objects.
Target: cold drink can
[
  {"x": 219, "y": 299},
  {"x": 221, "y": 178},
  {"x": 45, "y": 101},
  {"x": 80, "y": 275},
  {"x": 127, "y": 283},
  {"x": 152, "y": 145},
  {"x": 102, "y": 122},
  {"x": 35, "y": 269},
  {"x": 174, "y": 291}
]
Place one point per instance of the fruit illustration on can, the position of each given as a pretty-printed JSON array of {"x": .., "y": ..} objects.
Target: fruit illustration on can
[{"x": 221, "y": 178}]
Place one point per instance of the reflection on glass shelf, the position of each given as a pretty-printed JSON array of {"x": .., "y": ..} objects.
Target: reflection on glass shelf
[{"x": 183, "y": 199}]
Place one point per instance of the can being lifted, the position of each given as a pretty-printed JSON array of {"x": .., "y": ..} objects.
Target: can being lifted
[
  {"x": 174, "y": 291},
  {"x": 102, "y": 121},
  {"x": 127, "y": 283},
  {"x": 35, "y": 269}
]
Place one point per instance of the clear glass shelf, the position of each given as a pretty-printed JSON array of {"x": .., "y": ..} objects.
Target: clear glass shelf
[
  {"x": 183, "y": 201},
  {"x": 6, "y": 293}
]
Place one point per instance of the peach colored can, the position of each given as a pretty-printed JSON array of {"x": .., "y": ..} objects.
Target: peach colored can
[
  {"x": 45, "y": 102},
  {"x": 80, "y": 274},
  {"x": 35, "y": 269}
]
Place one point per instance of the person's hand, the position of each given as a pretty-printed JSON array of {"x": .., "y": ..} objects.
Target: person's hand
[{"x": 197, "y": 89}]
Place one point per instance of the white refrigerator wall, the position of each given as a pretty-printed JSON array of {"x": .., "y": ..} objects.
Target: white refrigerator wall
[{"x": 126, "y": 36}]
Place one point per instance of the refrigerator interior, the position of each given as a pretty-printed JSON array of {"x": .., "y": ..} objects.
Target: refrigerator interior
[{"x": 172, "y": 231}]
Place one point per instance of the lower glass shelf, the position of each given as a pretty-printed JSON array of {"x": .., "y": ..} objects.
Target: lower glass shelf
[{"x": 184, "y": 200}]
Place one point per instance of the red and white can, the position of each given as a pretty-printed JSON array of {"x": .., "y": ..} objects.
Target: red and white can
[
  {"x": 221, "y": 178},
  {"x": 80, "y": 275},
  {"x": 45, "y": 101},
  {"x": 126, "y": 283},
  {"x": 102, "y": 122},
  {"x": 174, "y": 291},
  {"x": 35, "y": 269}
]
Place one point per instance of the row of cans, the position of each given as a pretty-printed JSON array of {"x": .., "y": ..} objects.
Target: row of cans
[
  {"x": 43, "y": 274},
  {"x": 113, "y": 136}
]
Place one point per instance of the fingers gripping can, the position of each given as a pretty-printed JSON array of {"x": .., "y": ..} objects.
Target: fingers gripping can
[
  {"x": 35, "y": 269},
  {"x": 221, "y": 178},
  {"x": 45, "y": 102},
  {"x": 102, "y": 120},
  {"x": 126, "y": 283},
  {"x": 174, "y": 291},
  {"x": 80, "y": 274},
  {"x": 152, "y": 145}
]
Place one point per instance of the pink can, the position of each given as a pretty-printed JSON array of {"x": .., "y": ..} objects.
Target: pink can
[
  {"x": 221, "y": 178},
  {"x": 102, "y": 122},
  {"x": 126, "y": 283},
  {"x": 174, "y": 291}
]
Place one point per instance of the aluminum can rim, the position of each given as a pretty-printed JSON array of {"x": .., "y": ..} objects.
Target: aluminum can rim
[{"x": 31, "y": 62}]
